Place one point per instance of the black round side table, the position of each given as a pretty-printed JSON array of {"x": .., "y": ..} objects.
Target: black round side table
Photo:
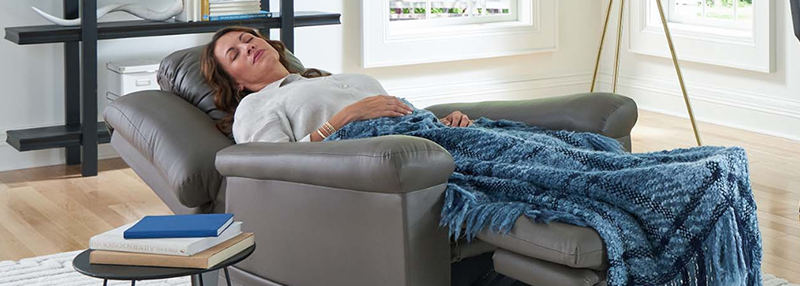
[{"x": 133, "y": 273}]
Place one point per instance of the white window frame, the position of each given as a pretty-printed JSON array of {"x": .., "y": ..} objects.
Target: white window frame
[
  {"x": 728, "y": 47},
  {"x": 439, "y": 22},
  {"x": 724, "y": 24},
  {"x": 534, "y": 30}
]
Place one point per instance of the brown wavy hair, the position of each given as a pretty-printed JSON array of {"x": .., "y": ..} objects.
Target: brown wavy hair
[{"x": 226, "y": 93}]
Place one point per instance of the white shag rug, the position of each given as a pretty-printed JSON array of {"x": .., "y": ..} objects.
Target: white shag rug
[
  {"x": 57, "y": 269},
  {"x": 771, "y": 280}
]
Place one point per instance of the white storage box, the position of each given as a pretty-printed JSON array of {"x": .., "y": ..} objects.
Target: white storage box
[{"x": 131, "y": 76}]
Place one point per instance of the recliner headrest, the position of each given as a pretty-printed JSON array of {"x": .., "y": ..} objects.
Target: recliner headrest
[{"x": 180, "y": 74}]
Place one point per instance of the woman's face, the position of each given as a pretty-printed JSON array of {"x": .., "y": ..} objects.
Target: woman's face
[{"x": 250, "y": 60}]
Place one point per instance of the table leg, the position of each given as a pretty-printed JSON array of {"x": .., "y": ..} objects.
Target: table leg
[
  {"x": 227, "y": 276},
  {"x": 133, "y": 282},
  {"x": 105, "y": 282},
  {"x": 200, "y": 277}
]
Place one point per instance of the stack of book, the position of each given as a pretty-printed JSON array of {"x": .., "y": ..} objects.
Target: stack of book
[
  {"x": 219, "y": 10},
  {"x": 184, "y": 241}
]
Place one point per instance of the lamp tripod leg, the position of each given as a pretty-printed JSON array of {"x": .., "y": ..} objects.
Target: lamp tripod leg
[
  {"x": 600, "y": 50},
  {"x": 619, "y": 44},
  {"x": 680, "y": 75}
]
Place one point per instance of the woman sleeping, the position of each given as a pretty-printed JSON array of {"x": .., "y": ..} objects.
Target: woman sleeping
[{"x": 679, "y": 217}]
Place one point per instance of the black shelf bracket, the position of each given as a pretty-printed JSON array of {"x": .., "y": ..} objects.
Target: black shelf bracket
[
  {"x": 72, "y": 85},
  {"x": 89, "y": 87},
  {"x": 265, "y": 7},
  {"x": 287, "y": 20}
]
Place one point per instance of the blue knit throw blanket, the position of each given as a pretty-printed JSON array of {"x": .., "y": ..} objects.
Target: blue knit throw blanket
[{"x": 679, "y": 217}]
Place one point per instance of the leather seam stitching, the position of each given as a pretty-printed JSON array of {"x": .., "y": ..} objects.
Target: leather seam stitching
[
  {"x": 406, "y": 254},
  {"x": 149, "y": 144},
  {"x": 548, "y": 248},
  {"x": 536, "y": 244},
  {"x": 397, "y": 173},
  {"x": 230, "y": 153},
  {"x": 191, "y": 177},
  {"x": 340, "y": 188},
  {"x": 607, "y": 116}
]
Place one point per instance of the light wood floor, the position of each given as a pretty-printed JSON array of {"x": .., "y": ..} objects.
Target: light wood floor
[{"x": 52, "y": 209}]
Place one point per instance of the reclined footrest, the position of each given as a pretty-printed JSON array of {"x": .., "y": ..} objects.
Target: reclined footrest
[{"x": 537, "y": 272}]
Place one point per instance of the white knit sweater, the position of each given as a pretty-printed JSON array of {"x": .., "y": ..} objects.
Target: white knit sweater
[{"x": 289, "y": 109}]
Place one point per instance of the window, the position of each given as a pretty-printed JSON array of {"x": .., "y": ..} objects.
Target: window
[
  {"x": 730, "y": 14},
  {"x": 452, "y": 11},
  {"x": 731, "y": 33},
  {"x": 401, "y": 32}
]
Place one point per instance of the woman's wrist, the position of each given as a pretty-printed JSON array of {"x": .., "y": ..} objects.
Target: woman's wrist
[
  {"x": 340, "y": 119},
  {"x": 337, "y": 121}
]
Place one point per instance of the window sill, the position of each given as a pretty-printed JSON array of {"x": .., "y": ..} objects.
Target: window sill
[
  {"x": 707, "y": 33},
  {"x": 748, "y": 50},
  {"x": 460, "y": 31}
]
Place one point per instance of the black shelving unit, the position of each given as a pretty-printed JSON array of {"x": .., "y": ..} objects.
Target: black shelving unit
[{"x": 81, "y": 133}]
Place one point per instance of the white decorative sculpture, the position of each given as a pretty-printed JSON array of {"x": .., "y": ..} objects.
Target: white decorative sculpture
[{"x": 134, "y": 9}]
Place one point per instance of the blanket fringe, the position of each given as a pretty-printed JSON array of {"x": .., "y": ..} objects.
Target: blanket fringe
[
  {"x": 720, "y": 260},
  {"x": 602, "y": 143},
  {"x": 465, "y": 217}
]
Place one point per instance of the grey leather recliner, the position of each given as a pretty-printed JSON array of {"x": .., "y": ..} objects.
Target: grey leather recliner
[{"x": 354, "y": 212}]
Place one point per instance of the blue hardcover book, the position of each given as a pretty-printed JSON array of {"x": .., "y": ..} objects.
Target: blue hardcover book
[
  {"x": 175, "y": 226},
  {"x": 259, "y": 15}
]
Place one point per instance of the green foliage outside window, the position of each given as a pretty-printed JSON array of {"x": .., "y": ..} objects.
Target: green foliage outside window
[
  {"x": 445, "y": 10},
  {"x": 729, "y": 3},
  {"x": 435, "y": 10}
]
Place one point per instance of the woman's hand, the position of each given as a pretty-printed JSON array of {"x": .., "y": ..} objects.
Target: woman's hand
[
  {"x": 456, "y": 119},
  {"x": 367, "y": 108},
  {"x": 376, "y": 106}
]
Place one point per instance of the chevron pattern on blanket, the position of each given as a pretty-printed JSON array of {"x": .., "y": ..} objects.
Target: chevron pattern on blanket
[{"x": 679, "y": 217}]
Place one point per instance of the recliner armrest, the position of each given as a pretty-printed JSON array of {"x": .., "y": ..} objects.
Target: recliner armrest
[
  {"x": 385, "y": 164},
  {"x": 608, "y": 114},
  {"x": 178, "y": 139}
]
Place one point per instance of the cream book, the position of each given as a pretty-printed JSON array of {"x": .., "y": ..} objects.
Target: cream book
[
  {"x": 243, "y": 10},
  {"x": 203, "y": 260},
  {"x": 113, "y": 240}
]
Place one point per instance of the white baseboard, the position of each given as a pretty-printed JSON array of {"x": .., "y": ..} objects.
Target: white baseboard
[{"x": 760, "y": 113}]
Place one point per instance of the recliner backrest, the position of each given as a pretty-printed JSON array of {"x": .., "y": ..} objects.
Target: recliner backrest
[{"x": 180, "y": 74}]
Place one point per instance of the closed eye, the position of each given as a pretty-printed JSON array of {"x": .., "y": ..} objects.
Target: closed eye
[{"x": 237, "y": 53}]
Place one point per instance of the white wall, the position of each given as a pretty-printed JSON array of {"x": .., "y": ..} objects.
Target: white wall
[
  {"x": 762, "y": 102},
  {"x": 33, "y": 80},
  {"x": 338, "y": 49}
]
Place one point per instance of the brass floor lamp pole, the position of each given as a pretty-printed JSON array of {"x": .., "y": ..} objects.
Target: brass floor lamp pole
[{"x": 616, "y": 59}]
